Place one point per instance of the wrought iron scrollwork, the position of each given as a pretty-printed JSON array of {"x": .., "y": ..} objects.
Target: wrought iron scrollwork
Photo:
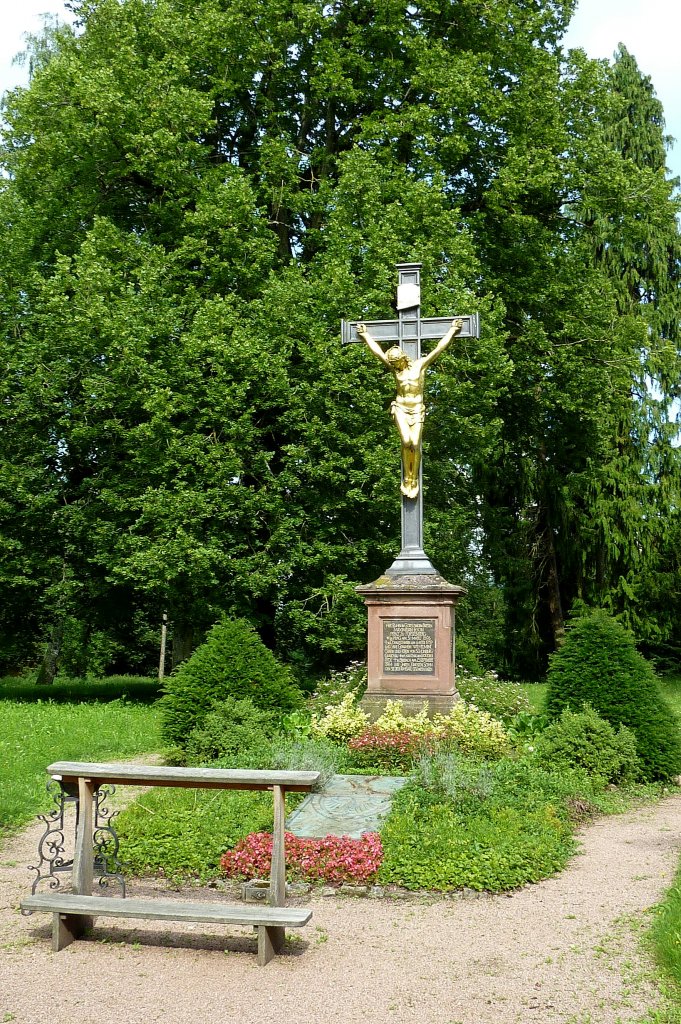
[
  {"x": 52, "y": 843},
  {"x": 106, "y": 842},
  {"x": 53, "y": 860}
]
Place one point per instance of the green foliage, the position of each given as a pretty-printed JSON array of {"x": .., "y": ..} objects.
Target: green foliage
[
  {"x": 665, "y": 934},
  {"x": 504, "y": 825},
  {"x": 453, "y": 779},
  {"x": 180, "y": 234},
  {"x": 137, "y": 689},
  {"x": 310, "y": 755},
  {"x": 296, "y": 724},
  {"x": 32, "y": 736},
  {"x": 234, "y": 732},
  {"x": 339, "y": 682},
  {"x": 342, "y": 721},
  {"x": 232, "y": 662},
  {"x": 501, "y": 699},
  {"x": 472, "y": 732},
  {"x": 527, "y": 726},
  {"x": 582, "y": 739},
  {"x": 183, "y": 833},
  {"x": 598, "y": 664},
  {"x": 394, "y": 719}
]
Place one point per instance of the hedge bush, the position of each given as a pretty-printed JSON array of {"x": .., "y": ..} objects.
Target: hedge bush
[
  {"x": 236, "y": 733},
  {"x": 134, "y": 689},
  {"x": 598, "y": 664},
  {"x": 582, "y": 739},
  {"x": 232, "y": 662}
]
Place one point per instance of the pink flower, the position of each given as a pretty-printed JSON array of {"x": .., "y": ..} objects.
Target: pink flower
[{"x": 331, "y": 859}]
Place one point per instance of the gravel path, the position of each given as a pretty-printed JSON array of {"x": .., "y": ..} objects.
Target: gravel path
[{"x": 565, "y": 951}]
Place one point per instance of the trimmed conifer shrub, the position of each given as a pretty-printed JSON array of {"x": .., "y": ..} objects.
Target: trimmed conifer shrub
[
  {"x": 231, "y": 662},
  {"x": 234, "y": 732},
  {"x": 598, "y": 664},
  {"x": 583, "y": 739}
]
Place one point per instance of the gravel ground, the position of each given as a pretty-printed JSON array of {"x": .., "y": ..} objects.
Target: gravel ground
[{"x": 565, "y": 951}]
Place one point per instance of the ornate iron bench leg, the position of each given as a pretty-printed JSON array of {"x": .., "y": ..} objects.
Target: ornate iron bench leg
[{"x": 53, "y": 862}]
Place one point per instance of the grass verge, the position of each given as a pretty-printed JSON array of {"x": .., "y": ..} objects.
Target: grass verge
[
  {"x": 34, "y": 735},
  {"x": 665, "y": 934}
]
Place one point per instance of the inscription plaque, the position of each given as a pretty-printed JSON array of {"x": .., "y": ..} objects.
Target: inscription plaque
[{"x": 409, "y": 647}]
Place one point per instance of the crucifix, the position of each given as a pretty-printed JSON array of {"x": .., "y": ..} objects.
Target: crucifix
[{"x": 408, "y": 366}]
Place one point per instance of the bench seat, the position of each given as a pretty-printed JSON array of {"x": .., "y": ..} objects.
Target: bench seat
[{"x": 73, "y": 914}]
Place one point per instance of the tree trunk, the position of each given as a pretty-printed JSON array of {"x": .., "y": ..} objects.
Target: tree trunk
[
  {"x": 50, "y": 663},
  {"x": 162, "y": 655},
  {"x": 183, "y": 643},
  {"x": 549, "y": 581}
]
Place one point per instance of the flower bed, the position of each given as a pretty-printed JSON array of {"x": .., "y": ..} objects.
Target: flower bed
[
  {"x": 394, "y": 751},
  {"x": 334, "y": 859}
]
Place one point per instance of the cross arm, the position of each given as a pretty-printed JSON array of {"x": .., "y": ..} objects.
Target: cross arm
[{"x": 430, "y": 327}]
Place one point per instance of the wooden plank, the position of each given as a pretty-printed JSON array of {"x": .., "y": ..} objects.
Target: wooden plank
[
  {"x": 166, "y": 775},
  {"x": 66, "y": 928},
  {"x": 278, "y": 869},
  {"x": 270, "y": 942},
  {"x": 83, "y": 858},
  {"x": 168, "y": 910}
]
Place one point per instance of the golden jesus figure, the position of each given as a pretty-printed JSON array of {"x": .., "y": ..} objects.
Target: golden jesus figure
[{"x": 409, "y": 409}]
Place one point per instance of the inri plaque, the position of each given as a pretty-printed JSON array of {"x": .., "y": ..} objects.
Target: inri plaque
[{"x": 409, "y": 647}]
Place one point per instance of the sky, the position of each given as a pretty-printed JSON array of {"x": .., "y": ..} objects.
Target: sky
[{"x": 650, "y": 29}]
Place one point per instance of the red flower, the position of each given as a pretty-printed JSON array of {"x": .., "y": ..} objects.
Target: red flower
[{"x": 332, "y": 859}]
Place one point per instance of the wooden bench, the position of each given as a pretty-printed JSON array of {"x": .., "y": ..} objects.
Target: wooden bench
[{"x": 74, "y": 912}]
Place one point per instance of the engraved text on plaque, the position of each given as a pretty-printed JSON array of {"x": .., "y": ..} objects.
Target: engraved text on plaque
[{"x": 409, "y": 647}]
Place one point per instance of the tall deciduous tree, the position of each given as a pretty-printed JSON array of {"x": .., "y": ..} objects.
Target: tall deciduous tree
[{"x": 196, "y": 194}]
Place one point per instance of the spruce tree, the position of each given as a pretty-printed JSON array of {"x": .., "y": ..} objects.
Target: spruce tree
[{"x": 598, "y": 664}]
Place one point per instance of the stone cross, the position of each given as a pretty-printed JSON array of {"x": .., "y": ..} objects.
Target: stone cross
[{"x": 408, "y": 331}]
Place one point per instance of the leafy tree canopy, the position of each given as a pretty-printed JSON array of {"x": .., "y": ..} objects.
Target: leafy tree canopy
[{"x": 196, "y": 194}]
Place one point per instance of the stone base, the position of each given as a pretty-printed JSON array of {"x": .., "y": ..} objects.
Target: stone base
[
  {"x": 438, "y": 704},
  {"x": 410, "y": 650}
]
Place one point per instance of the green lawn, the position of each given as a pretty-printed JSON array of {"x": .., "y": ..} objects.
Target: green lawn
[
  {"x": 671, "y": 688},
  {"x": 34, "y": 735},
  {"x": 536, "y": 694}
]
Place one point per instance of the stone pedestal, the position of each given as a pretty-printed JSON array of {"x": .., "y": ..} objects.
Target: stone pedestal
[{"x": 411, "y": 642}]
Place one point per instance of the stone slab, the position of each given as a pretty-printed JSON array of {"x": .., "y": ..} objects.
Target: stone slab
[
  {"x": 348, "y": 805},
  {"x": 374, "y": 704}
]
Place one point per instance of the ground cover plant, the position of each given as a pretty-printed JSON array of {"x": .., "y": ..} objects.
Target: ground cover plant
[
  {"x": 331, "y": 859},
  {"x": 32, "y": 736},
  {"x": 181, "y": 833},
  {"x": 485, "y": 825}
]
